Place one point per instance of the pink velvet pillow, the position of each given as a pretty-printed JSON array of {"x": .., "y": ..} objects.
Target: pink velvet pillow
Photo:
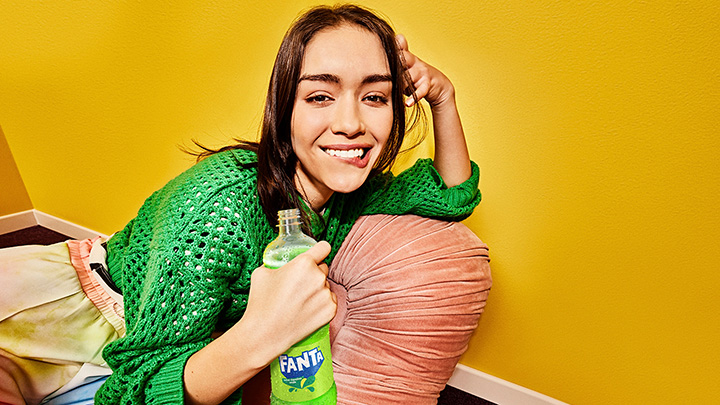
[{"x": 410, "y": 293}]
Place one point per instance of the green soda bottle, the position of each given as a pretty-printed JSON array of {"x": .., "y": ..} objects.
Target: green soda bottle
[{"x": 303, "y": 374}]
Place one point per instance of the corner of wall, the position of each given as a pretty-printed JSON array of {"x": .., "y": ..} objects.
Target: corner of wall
[{"x": 15, "y": 197}]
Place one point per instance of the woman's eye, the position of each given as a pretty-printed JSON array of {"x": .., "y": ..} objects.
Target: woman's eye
[
  {"x": 377, "y": 99},
  {"x": 318, "y": 98}
]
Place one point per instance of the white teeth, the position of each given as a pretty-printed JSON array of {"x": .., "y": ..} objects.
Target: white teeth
[{"x": 352, "y": 153}]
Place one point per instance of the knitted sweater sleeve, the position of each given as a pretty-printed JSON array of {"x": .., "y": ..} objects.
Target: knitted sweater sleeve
[
  {"x": 182, "y": 260},
  {"x": 421, "y": 191},
  {"x": 148, "y": 362}
]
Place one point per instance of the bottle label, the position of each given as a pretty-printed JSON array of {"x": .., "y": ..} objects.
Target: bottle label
[{"x": 303, "y": 372}]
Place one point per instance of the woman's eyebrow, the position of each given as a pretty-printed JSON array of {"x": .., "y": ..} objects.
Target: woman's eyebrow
[
  {"x": 377, "y": 79},
  {"x": 322, "y": 77},
  {"x": 331, "y": 78}
]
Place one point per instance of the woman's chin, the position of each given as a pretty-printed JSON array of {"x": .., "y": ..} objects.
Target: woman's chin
[{"x": 348, "y": 186}]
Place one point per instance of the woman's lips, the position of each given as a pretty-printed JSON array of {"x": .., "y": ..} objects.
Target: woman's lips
[
  {"x": 354, "y": 155},
  {"x": 349, "y": 153}
]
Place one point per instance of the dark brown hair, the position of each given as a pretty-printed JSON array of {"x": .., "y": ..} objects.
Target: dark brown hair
[{"x": 277, "y": 161}]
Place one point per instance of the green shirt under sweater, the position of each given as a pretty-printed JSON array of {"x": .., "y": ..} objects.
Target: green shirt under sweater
[{"x": 184, "y": 262}]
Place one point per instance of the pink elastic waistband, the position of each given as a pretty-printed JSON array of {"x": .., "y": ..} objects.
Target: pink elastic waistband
[{"x": 109, "y": 307}]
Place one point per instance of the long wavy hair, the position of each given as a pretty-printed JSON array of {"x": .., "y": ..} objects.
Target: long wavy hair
[{"x": 277, "y": 161}]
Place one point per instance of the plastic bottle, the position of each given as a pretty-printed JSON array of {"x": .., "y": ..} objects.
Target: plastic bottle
[{"x": 303, "y": 374}]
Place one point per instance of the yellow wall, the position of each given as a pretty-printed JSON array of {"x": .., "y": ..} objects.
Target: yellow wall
[
  {"x": 13, "y": 195},
  {"x": 595, "y": 124}
]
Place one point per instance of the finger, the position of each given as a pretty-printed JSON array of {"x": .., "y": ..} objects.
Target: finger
[
  {"x": 422, "y": 87},
  {"x": 319, "y": 252},
  {"x": 401, "y": 42},
  {"x": 410, "y": 74},
  {"x": 421, "y": 90},
  {"x": 324, "y": 268},
  {"x": 409, "y": 59}
]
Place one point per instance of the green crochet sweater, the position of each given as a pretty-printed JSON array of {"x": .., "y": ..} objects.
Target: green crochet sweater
[{"x": 184, "y": 262}]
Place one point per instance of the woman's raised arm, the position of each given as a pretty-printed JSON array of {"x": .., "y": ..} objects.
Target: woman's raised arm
[{"x": 452, "y": 160}]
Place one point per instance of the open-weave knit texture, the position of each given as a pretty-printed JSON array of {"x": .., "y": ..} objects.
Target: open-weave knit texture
[{"x": 184, "y": 263}]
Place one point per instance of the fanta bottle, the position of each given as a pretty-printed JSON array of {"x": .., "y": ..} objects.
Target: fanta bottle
[{"x": 303, "y": 374}]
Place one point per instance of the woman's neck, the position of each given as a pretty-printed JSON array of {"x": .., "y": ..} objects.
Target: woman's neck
[{"x": 315, "y": 195}]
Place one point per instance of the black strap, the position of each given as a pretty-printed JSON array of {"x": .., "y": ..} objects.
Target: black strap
[{"x": 101, "y": 270}]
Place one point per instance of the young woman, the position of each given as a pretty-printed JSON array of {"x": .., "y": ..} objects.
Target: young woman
[{"x": 202, "y": 316}]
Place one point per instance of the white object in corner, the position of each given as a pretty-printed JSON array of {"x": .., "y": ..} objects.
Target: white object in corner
[
  {"x": 26, "y": 219},
  {"x": 495, "y": 389}
]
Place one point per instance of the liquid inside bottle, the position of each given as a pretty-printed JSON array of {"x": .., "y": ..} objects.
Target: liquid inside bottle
[{"x": 303, "y": 374}]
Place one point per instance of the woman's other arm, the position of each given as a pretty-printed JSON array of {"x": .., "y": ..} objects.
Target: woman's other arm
[{"x": 451, "y": 160}]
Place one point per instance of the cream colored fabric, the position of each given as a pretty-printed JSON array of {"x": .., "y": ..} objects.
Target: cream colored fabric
[{"x": 49, "y": 328}]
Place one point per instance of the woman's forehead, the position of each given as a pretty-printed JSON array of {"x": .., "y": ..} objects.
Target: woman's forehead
[{"x": 345, "y": 49}]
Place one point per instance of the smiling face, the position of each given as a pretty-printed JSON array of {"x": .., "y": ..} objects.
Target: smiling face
[{"x": 342, "y": 115}]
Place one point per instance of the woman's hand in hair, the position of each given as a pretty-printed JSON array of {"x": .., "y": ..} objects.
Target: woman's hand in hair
[
  {"x": 429, "y": 83},
  {"x": 451, "y": 160}
]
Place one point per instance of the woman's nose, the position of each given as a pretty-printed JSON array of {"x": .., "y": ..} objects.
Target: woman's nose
[{"x": 347, "y": 119}]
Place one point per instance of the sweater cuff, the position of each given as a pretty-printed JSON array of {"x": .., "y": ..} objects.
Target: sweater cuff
[
  {"x": 463, "y": 194},
  {"x": 167, "y": 385}
]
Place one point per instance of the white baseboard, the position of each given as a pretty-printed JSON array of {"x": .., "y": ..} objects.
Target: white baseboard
[
  {"x": 65, "y": 227},
  {"x": 26, "y": 219},
  {"x": 495, "y": 389},
  {"x": 17, "y": 221},
  {"x": 464, "y": 378}
]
